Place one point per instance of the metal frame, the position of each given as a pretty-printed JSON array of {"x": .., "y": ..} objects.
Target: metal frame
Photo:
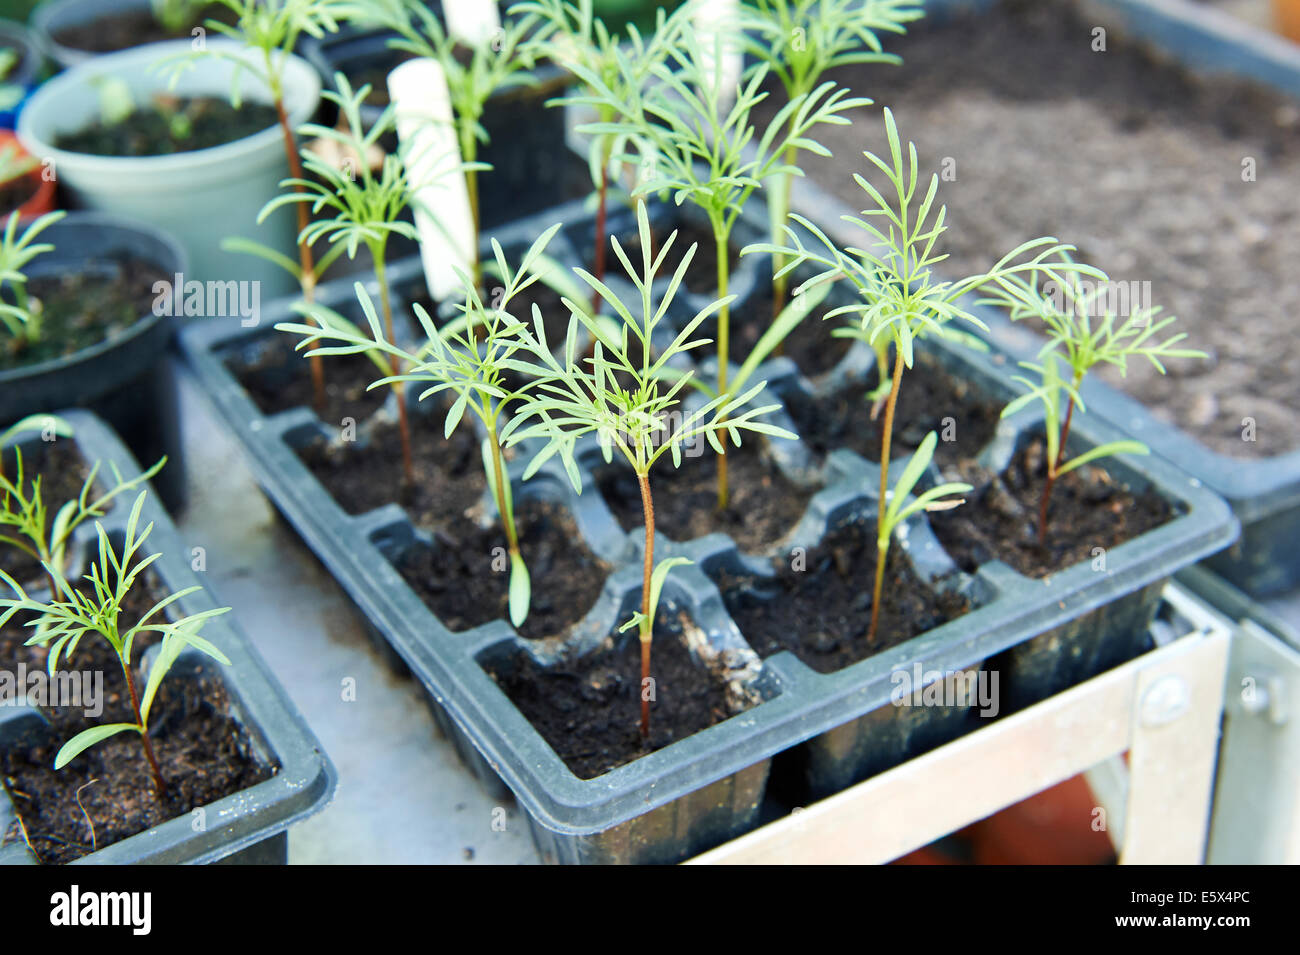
[{"x": 1162, "y": 708}]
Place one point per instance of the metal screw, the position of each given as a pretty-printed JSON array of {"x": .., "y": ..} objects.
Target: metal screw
[{"x": 1165, "y": 701}]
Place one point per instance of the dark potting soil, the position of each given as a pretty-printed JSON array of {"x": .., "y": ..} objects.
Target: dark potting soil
[
  {"x": 448, "y": 472},
  {"x": 107, "y": 793},
  {"x": 464, "y": 578},
  {"x": 62, "y": 472},
  {"x": 15, "y": 192},
  {"x": 999, "y": 520},
  {"x": 811, "y": 345},
  {"x": 818, "y": 606},
  {"x": 927, "y": 397},
  {"x": 278, "y": 378},
  {"x": 99, "y": 302},
  {"x": 171, "y": 125},
  {"x": 125, "y": 29},
  {"x": 763, "y": 504},
  {"x": 589, "y": 710},
  {"x": 1131, "y": 158}
]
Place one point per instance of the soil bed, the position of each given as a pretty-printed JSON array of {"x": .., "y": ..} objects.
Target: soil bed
[
  {"x": 185, "y": 125},
  {"x": 1134, "y": 160},
  {"x": 121, "y": 31},
  {"x": 1000, "y": 517},
  {"x": 928, "y": 396},
  {"x": 279, "y": 379},
  {"x": 589, "y": 710},
  {"x": 98, "y": 302},
  {"x": 463, "y": 580},
  {"x": 764, "y": 505},
  {"x": 822, "y": 612}
]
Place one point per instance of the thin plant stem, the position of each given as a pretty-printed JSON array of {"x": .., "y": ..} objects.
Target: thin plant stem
[
  {"x": 399, "y": 388},
  {"x": 498, "y": 473},
  {"x": 885, "y": 442},
  {"x": 469, "y": 152},
  {"x": 724, "y": 323},
  {"x": 1053, "y": 471},
  {"x": 158, "y": 782},
  {"x": 780, "y": 283},
  {"x": 647, "y": 625},
  {"x": 598, "y": 262}
]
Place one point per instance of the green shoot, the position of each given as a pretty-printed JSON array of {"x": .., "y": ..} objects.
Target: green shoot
[
  {"x": 271, "y": 29},
  {"x": 701, "y": 153},
  {"x": 70, "y": 614},
  {"x": 1083, "y": 331},
  {"x": 19, "y": 313},
  {"x": 623, "y": 398},
  {"x": 472, "y": 79},
  {"x": 364, "y": 209},
  {"x": 477, "y": 358},
  {"x": 800, "y": 41},
  {"x": 176, "y": 16},
  {"x": 51, "y": 426},
  {"x": 15, "y": 162},
  {"x": 901, "y": 299}
]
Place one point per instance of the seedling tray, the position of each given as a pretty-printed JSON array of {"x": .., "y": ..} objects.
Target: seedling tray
[
  {"x": 705, "y": 788},
  {"x": 1264, "y": 493},
  {"x": 249, "y": 826}
]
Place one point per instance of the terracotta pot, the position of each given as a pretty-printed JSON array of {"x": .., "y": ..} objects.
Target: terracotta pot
[
  {"x": 1286, "y": 18},
  {"x": 42, "y": 199}
]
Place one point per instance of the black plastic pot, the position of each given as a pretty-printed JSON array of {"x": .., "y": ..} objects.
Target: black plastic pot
[
  {"x": 1264, "y": 493},
  {"x": 530, "y": 169},
  {"x": 127, "y": 381},
  {"x": 249, "y": 826},
  {"x": 1042, "y": 634}
]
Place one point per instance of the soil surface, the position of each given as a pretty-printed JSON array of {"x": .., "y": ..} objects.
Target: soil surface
[
  {"x": 107, "y": 793},
  {"x": 999, "y": 520},
  {"x": 449, "y": 476},
  {"x": 121, "y": 31},
  {"x": 763, "y": 504},
  {"x": 820, "y": 608},
  {"x": 811, "y": 345},
  {"x": 62, "y": 472},
  {"x": 98, "y": 302},
  {"x": 589, "y": 710},
  {"x": 279, "y": 378},
  {"x": 1132, "y": 159},
  {"x": 171, "y": 125},
  {"x": 464, "y": 579},
  {"x": 927, "y": 396}
]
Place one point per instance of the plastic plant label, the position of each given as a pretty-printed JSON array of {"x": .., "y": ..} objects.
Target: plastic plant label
[
  {"x": 472, "y": 22},
  {"x": 716, "y": 29},
  {"x": 427, "y": 138}
]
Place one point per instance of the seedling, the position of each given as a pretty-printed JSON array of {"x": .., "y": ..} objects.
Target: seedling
[
  {"x": 700, "y": 153},
  {"x": 477, "y": 358},
  {"x": 176, "y": 16},
  {"x": 25, "y": 514},
  {"x": 15, "y": 162},
  {"x": 901, "y": 298},
  {"x": 70, "y": 614},
  {"x": 624, "y": 400},
  {"x": 271, "y": 29},
  {"x": 800, "y": 41},
  {"x": 365, "y": 207},
  {"x": 573, "y": 35},
  {"x": 49, "y": 424},
  {"x": 20, "y": 313},
  {"x": 473, "y": 75},
  {"x": 1069, "y": 306}
]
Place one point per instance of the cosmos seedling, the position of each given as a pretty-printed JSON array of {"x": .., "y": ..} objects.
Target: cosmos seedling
[
  {"x": 472, "y": 79},
  {"x": 351, "y": 206},
  {"x": 63, "y": 620},
  {"x": 1083, "y": 332},
  {"x": 625, "y": 400},
  {"x": 19, "y": 312},
  {"x": 477, "y": 358},
  {"x": 271, "y": 29},
  {"x": 800, "y": 41},
  {"x": 700, "y": 151},
  {"x": 901, "y": 299}
]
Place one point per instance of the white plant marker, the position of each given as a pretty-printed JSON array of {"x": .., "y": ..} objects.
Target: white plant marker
[
  {"x": 717, "y": 25},
  {"x": 472, "y": 22},
  {"x": 429, "y": 148}
]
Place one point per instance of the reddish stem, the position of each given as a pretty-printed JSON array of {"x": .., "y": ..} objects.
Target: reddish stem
[
  {"x": 1053, "y": 471},
  {"x": 647, "y": 625},
  {"x": 885, "y": 441},
  {"x": 158, "y": 782}
]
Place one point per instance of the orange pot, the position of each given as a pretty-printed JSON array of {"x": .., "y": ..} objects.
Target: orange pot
[
  {"x": 1286, "y": 18},
  {"x": 42, "y": 198}
]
